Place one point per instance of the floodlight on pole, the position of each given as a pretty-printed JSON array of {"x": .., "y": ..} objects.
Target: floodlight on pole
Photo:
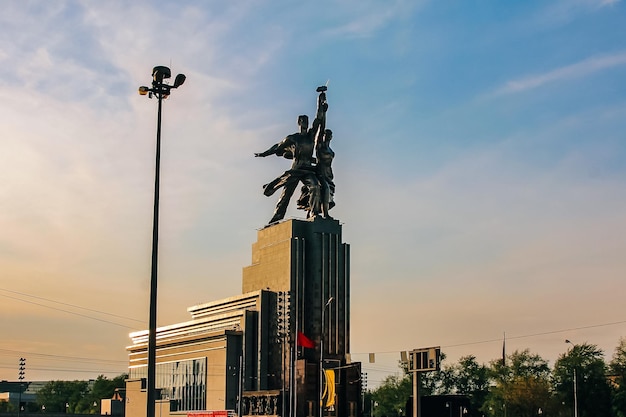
[
  {"x": 21, "y": 376},
  {"x": 160, "y": 90}
]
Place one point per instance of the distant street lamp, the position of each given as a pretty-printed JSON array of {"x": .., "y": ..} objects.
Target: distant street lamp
[
  {"x": 160, "y": 90},
  {"x": 330, "y": 300},
  {"x": 575, "y": 390}
]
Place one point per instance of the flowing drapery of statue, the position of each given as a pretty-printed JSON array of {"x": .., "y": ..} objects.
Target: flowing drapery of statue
[{"x": 312, "y": 166}]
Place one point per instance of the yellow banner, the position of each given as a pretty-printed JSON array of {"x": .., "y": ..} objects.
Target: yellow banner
[{"x": 328, "y": 396}]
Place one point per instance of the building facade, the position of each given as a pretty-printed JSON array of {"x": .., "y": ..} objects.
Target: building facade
[{"x": 281, "y": 348}]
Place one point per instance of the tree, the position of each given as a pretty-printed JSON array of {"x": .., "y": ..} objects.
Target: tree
[
  {"x": 521, "y": 388},
  {"x": 467, "y": 377},
  {"x": 617, "y": 369},
  {"x": 368, "y": 404},
  {"x": 102, "y": 388},
  {"x": 391, "y": 396},
  {"x": 77, "y": 396},
  {"x": 592, "y": 388},
  {"x": 7, "y": 407},
  {"x": 471, "y": 379},
  {"x": 62, "y": 396}
]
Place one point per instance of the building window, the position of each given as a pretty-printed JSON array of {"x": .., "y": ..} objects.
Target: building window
[{"x": 182, "y": 382}]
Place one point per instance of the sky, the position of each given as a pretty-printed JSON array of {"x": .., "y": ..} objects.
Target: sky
[{"x": 479, "y": 169}]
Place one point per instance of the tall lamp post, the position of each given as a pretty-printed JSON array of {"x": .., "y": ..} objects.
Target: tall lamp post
[
  {"x": 330, "y": 300},
  {"x": 575, "y": 390},
  {"x": 22, "y": 371},
  {"x": 160, "y": 90}
]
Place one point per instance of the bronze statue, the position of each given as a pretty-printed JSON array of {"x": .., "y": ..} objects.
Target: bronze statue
[{"x": 316, "y": 196}]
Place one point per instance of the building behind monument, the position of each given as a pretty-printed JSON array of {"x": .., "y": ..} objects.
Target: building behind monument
[{"x": 259, "y": 353}]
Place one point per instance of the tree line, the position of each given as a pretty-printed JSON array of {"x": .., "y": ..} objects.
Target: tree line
[
  {"x": 521, "y": 384},
  {"x": 70, "y": 397}
]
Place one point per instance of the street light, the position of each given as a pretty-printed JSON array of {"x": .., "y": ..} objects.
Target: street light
[
  {"x": 575, "y": 394},
  {"x": 21, "y": 373},
  {"x": 330, "y": 300},
  {"x": 160, "y": 90}
]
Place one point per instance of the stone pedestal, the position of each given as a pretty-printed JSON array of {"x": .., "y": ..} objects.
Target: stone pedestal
[{"x": 308, "y": 260}]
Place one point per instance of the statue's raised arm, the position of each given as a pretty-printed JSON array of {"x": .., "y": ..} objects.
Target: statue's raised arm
[
  {"x": 324, "y": 158},
  {"x": 319, "y": 124}
]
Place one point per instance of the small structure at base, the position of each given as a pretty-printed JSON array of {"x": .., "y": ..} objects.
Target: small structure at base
[{"x": 114, "y": 406}]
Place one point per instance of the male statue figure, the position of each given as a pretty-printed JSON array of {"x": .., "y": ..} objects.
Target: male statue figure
[{"x": 299, "y": 147}]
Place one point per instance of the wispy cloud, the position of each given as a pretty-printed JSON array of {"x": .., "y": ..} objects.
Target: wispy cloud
[
  {"x": 569, "y": 72},
  {"x": 589, "y": 3},
  {"x": 564, "y": 11},
  {"x": 374, "y": 16}
]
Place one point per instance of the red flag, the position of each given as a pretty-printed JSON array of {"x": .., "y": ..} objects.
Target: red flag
[{"x": 305, "y": 341}]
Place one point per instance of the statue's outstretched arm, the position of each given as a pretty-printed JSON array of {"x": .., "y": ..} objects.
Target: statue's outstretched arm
[{"x": 270, "y": 151}]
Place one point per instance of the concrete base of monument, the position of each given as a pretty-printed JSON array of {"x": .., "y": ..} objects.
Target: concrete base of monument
[
  {"x": 275, "y": 259},
  {"x": 307, "y": 261}
]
